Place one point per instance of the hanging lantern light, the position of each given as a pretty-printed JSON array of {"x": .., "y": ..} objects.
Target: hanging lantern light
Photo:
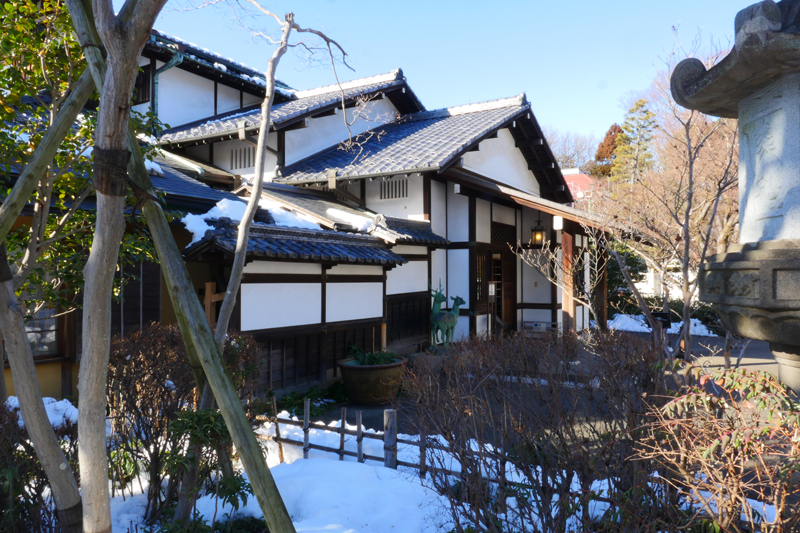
[{"x": 538, "y": 234}]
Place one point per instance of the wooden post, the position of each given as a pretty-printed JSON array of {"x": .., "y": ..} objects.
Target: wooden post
[
  {"x": 390, "y": 438},
  {"x": 306, "y": 420},
  {"x": 341, "y": 433},
  {"x": 423, "y": 460},
  {"x": 208, "y": 305},
  {"x": 383, "y": 337},
  {"x": 277, "y": 429},
  {"x": 567, "y": 302},
  {"x": 601, "y": 293},
  {"x": 360, "y": 437}
]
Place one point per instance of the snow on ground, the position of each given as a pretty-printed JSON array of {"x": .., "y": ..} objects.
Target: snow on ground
[
  {"x": 637, "y": 323},
  {"x": 58, "y": 411},
  {"x": 234, "y": 209}
]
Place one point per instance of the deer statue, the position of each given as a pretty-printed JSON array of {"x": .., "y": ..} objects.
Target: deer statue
[
  {"x": 438, "y": 299},
  {"x": 445, "y": 321}
]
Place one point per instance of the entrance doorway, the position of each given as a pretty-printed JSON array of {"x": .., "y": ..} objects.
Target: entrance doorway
[{"x": 504, "y": 274}]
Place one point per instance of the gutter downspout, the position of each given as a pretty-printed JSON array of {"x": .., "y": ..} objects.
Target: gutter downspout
[{"x": 176, "y": 60}]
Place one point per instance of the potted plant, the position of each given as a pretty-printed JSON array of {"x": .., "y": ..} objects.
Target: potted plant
[{"x": 372, "y": 378}]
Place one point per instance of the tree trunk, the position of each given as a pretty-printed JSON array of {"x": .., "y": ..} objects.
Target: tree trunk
[
  {"x": 3, "y": 389},
  {"x": 26, "y": 384},
  {"x": 99, "y": 280}
]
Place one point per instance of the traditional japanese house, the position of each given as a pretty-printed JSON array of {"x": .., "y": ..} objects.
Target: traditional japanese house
[{"x": 348, "y": 242}]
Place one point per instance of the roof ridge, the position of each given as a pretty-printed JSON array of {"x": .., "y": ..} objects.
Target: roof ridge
[
  {"x": 394, "y": 75},
  {"x": 489, "y": 105}
]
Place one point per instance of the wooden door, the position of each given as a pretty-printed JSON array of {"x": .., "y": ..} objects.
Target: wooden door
[{"x": 509, "y": 290}]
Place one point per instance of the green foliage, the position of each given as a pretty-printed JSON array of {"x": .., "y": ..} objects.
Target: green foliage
[
  {"x": 321, "y": 399},
  {"x": 633, "y": 153},
  {"x": 203, "y": 426},
  {"x": 619, "y": 293},
  {"x": 234, "y": 491},
  {"x": 364, "y": 358}
]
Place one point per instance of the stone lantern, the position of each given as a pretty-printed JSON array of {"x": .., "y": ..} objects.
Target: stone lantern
[{"x": 755, "y": 285}]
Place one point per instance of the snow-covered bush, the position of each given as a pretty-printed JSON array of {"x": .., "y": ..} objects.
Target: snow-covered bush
[{"x": 25, "y": 502}]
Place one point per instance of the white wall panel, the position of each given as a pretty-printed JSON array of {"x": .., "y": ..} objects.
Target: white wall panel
[
  {"x": 458, "y": 276},
  {"x": 183, "y": 97},
  {"x": 276, "y": 267},
  {"x": 411, "y": 207},
  {"x": 535, "y": 287},
  {"x": 500, "y": 160},
  {"x": 227, "y": 98},
  {"x": 411, "y": 277},
  {"x": 405, "y": 249},
  {"x": 482, "y": 325},
  {"x": 439, "y": 268},
  {"x": 483, "y": 220},
  {"x": 504, "y": 214},
  {"x": 355, "y": 270},
  {"x": 250, "y": 99},
  {"x": 438, "y": 208},
  {"x": 277, "y": 305},
  {"x": 354, "y": 301},
  {"x": 325, "y": 132},
  {"x": 536, "y": 315},
  {"x": 462, "y": 329},
  {"x": 457, "y": 216}
]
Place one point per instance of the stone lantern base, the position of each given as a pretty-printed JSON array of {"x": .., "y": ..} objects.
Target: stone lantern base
[{"x": 755, "y": 289}]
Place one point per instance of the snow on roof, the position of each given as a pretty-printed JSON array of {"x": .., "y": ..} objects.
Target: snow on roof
[
  {"x": 220, "y": 62},
  {"x": 489, "y": 105},
  {"x": 380, "y": 78}
]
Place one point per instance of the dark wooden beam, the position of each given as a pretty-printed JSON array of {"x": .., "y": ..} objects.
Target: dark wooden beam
[
  {"x": 522, "y": 143},
  {"x": 533, "y": 167},
  {"x": 299, "y": 125}
]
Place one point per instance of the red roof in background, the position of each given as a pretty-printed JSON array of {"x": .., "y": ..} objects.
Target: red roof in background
[{"x": 579, "y": 184}]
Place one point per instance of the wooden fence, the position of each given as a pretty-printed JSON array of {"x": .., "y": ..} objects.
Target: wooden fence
[{"x": 389, "y": 438}]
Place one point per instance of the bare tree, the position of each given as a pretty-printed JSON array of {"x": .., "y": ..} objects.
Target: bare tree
[
  {"x": 685, "y": 204},
  {"x": 571, "y": 150},
  {"x": 580, "y": 273}
]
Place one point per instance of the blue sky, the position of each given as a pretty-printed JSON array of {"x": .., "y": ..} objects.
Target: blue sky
[{"x": 577, "y": 61}]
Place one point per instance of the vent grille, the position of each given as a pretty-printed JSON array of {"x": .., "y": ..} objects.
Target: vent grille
[
  {"x": 244, "y": 157},
  {"x": 395, "y": 188}
]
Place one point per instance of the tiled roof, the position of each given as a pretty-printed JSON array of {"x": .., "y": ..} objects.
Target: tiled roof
[
  {"x": 273, "y": 242},
  {"x": 307, "y": 102},
  {"x": 179, "y": 185},
  {"x": 415, "y": 232},
  {"x": 425, "y": 141}
]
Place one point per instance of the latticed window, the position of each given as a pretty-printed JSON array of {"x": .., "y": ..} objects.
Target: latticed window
[
  {"x": 394, "y": 188},
  {"x": 483, "y": 275},
  {"x": 244, "y": 157},
  {"x": 141, "y": 88},
  {"x": 42, "y": 331}
]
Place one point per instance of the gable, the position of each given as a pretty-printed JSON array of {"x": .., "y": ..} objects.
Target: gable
[{"x": 500, "y": 160}]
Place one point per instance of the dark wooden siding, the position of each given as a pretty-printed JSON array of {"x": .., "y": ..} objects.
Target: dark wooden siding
[
  {"x": 141, "y": 299},
  {"x": 407, "y": 316}
]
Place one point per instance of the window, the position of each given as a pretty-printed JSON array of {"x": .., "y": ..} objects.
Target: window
[
  {"x": 42, "y": 332},
  {"x": 483, "y": 275},
  {"x": 244, "y": 157},
  {"x": 394, "y": 188},
  {"x": 141, "y": 88}
]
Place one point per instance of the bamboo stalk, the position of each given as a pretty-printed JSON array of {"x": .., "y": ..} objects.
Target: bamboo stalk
[
  {"x": 360, "y": 437},
  {"x": 277, "y": 429},
  {"x": 342, "y": 433},
  {"x": 306, "y": 416}
]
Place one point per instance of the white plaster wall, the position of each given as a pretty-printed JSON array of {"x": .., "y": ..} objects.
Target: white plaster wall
[
  {"x": 482, "y": 325},
  {"x": 275, "y": 267},
  {"x": 535, "y": 287},
  {"x": 405, "y": 249},
  {"x": 500, "y": 160},
  {"x": 504, "y": 214},
  {"x": 579, "y": 318},
  {"x": 438, "y": 208},
  {"x": 276, "y": 305},
  {"x": 356, "y": 270},
  {"x": 223, "y": 158},
  {"x": 438, "y": 268},
  {"x": 462, "y": 328},
  {"x": 458, "y": 276},
  {"x": 411, "y": 277},
  {"x": 249, "y": 99},
  {"x": 324, "y": 132},
  {"x": 483, "y": 220},
  {"x": 536, "y": 315},
  {"x": 353, "y": 301},
  {"x": 227, "y": 98},
  {"x": 457, "y": 216},
  {"x": 411, "y": 207},
  {"x": 183, "y": 97}
]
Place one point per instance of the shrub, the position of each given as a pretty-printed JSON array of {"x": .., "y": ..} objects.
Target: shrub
[
  {"x": 25, "y": 501},
  {"x": 537, "y": 443}
]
